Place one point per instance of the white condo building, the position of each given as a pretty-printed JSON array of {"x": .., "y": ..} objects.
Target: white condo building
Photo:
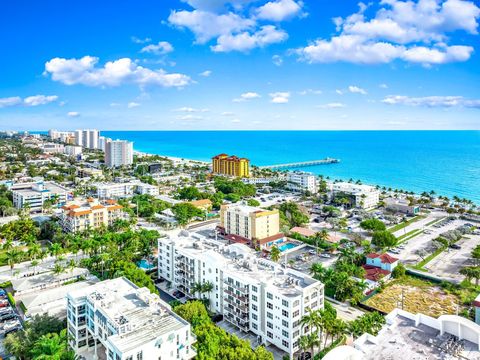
[
  {"x": 116, "y": 320},
  {"x": 34, "y": 194},
  {"x": 102, "y": 142},
  {"x": 88, "y": 138},
  {"x": 364, "y": 196},
  {"x": 73, "y": 150},
  {"x": 118, "y": 153},
  {"x": 302, "y": 181},
  {"x": 254, "y": 294}
]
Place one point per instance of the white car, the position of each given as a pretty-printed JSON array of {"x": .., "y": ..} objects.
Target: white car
[{"x": 325, "y": 256}]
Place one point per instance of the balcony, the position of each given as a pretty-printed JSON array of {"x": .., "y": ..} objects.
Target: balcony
[
  {"x": 242, "y": 298},
  {"x": 234, "y": 306},
  {"x": 241, "y": 288}
]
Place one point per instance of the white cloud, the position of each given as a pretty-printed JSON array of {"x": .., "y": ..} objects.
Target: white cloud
[
  {"x": 383, "y": 86},
  {"x": 227, "y": 113},
  {"x": 247, "y": 96},
  {"x": 432, "y": 101},
  {"x": 277, "y": 60},
  {"x": 189, "y": 117},
  {"x": 206, "y": 73},
  {"x": 114, "y": 104},
  {"x": 279, "y": 10},
  {"x": 39, "y": 100},
  {"x": 114, "y": 73},
  {"x": 236, "y": 121},
  {"x": 73, "y": 114},
  {"x": 207, "y": 25},
  {"x": 137, "y": 40},
  {"x": 133, "y": 104},
  {"x": 310, "y": 91},
  {"x": 35, "y": 100},
  {"x": 339, "y": 92},
  {"x": 162, "y": 48},
  {"x": 188, "y": 109},
  {"x": 280, "y": 97},
  {"x": 410, "y": 31},
  {"x": 333, "y": 105},
  {"x": 246, "y": 41},
  {"x": 357, "y": 90},
  {"x": 10, "y": 101}
]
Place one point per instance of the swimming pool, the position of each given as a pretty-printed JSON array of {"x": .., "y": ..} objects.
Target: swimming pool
[
  {"x": 287, "y": 246},
  {"x": 145, "y": 264}
]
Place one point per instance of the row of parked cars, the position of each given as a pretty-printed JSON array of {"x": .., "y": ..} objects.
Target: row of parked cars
[{"x": 9, "y": 321}]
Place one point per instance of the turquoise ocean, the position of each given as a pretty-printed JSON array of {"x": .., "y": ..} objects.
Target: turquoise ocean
[{"x": 447, "y": 162}]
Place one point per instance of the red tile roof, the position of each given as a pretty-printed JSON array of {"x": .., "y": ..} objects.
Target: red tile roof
[
  {"x": 374, "y": 273},
  {"x": 271, "y": 238},
  {"x": 384, "y": 258},
  {"x": 302, "y": 231}
]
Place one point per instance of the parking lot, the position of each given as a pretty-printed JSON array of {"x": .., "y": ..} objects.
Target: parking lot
[
  {"x": 305, "y": 257},
  {"x": 9, "y": 320},
  {"x": 409, "y": 253},
  {"x": 448, "y": 263}
]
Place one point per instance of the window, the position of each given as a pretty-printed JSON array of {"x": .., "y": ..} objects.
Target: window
[
  {"x": 254, "y": 317},
  {"x": 285, "y": 303},
  {"x": 254, "y": 298},
  {"x": 254, "y": 307},
  {"x": 284, "y": 312},
  {"x": 269, "y": 325},
  {"x": 254, "y": 288},
  {"x": 296, "y": 333},
  {"x": 269, "y": 305},
  {"x": 269, "y": 296},
  {"x": 285, "y": 333},
  {"x": 140, "y": 355},
  {"x": 269, "y": 334},
  {"x": 285, "y": 323},
  {"x": 296, "y": 313},
  {"x": 254, "y": 326},
  {"x": 269, "y": 315},
  {"x": 285, "y": 343},
  {"x": 296, "y": 303}
]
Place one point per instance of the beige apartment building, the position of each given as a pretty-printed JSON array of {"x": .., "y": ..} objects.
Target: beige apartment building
[
  {"x": 248, "y": 224},
  {"x": 81, "y": 215}
]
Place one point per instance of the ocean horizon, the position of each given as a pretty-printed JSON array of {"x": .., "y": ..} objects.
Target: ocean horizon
[{"x": 446, "y": 161}]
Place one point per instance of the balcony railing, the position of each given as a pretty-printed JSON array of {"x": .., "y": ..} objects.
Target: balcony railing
[
  {"x": 242, "y": 288},
  {"x": 242, "y": 298}
]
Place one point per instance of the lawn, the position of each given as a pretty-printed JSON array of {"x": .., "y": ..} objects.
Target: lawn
[
  {"x": 419, "y": 296},
  {"x": 406, "y": 223}
]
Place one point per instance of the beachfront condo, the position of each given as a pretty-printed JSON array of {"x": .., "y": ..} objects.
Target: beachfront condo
[{"x": 231, "y": 165}]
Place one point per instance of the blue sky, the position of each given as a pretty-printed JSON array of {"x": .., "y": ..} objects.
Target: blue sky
[{"x": 240, "y": 64}]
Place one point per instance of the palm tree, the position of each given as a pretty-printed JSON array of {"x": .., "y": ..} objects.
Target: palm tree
[
  {"x": 34, "y": 251},
  {"x": 303, "y": 344},
  {"x": 12, "y": 256},
  {"x": 34, "y": 263},
  {"x": 313, "y": 341},
  {"x": 321, "y": 235},
  {"x": 58, "y": 269},
  {"x": 51, "y": 347},
  {"x": 55, "y": 250},
  {"x": 197, "y": 288},
  {"x": 275, "y": 253}
]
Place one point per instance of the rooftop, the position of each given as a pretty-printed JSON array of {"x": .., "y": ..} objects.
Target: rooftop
[
  {"x": 146, "y": 316},
  {"x": 32, "y": 283},
  {"x": 401, "y": 339},
  {"x": 242, "y": 262}
]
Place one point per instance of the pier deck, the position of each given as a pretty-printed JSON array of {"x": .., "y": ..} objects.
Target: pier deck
[{"x": 325, "y": 161}]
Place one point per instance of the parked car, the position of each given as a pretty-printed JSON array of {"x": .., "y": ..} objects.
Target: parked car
[
  {"x": 455, "y": 246},
  {"x": 327, "y": 256}
]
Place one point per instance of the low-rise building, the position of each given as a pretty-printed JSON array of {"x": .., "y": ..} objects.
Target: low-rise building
[
  {"x": 402, "y": 206},
  {"x": 148, "y": 189},
  {"x": 73, "y": 150},
  {"x": 364, "y": 196},
  {"x": 53, "y": 148},
  {"x": 302, "y": 181},
  {"x": 415, "y": 336},
  {"x": 89, "y": 172},
  {"x": 115, "y": 190},
  {"x": 34, "y": 194},
  {"x": 248, "y": 224},
  {"x": 116, "y": 320},
  {"x": 253, "y": 294},
  {"x": 81, "y": 215},
  {"x": 203, "y": 204}
]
